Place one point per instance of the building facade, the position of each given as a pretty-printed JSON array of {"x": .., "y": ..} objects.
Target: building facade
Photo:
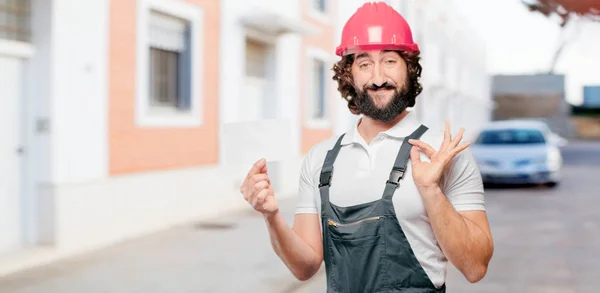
[
  {"x": 456, "y": 84},
  {"x": 125, "y": 117},
  {"x": 536, "y": 96}
]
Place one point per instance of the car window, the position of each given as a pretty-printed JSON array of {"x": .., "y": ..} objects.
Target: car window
[{"x": 510, "y": 136}]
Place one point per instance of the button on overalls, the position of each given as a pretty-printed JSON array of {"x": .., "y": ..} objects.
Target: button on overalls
[{"x": 364, "y": 247}]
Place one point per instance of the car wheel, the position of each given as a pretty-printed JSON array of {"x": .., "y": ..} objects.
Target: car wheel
[{"x": 552, "y": 184}]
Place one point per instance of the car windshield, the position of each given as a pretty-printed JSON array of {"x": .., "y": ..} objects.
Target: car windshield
[{"x": 510, "y": 136}]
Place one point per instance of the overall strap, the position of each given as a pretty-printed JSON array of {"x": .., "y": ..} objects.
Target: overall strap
[
  {"x": 401, "y": 162},
  {"x": 327, "y": 170}
]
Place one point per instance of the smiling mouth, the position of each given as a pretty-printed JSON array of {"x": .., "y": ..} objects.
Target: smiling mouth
[{"x": 380, "y": 90}]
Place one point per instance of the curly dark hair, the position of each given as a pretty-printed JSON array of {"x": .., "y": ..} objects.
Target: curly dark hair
[{"x": 343, "y": 75}]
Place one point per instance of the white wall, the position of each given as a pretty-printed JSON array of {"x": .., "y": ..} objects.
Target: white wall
[
  {"x": 78, "y": 95},
  {"x": 455, "y": 79},
  {"x": 67, "y": 108},
  {"x": 93, "y": 215},
  {"x": 11, "y": 78},
  {"x": 288, "y": 87}
]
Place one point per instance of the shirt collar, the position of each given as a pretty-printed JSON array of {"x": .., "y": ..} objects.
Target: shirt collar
[{"x": 400, "y": 130}]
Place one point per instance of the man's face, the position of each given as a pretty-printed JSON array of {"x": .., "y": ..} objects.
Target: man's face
[{"x": 380, "y": 79}]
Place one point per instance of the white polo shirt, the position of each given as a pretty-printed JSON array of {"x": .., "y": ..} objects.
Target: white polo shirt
[{"x": 362, "y": 169}]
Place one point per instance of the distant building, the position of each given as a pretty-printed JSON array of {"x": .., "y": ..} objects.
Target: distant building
[
  {"x": 591, "y": 97},
  {"x": 540, "y": 96}
]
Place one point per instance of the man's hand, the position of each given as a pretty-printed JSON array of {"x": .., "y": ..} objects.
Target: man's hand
[
  {"x": 427, "y": 175},
  {"x": 257, "y": 190}
]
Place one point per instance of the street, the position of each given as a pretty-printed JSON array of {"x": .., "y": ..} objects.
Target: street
[{"x": 546, "y": 240}]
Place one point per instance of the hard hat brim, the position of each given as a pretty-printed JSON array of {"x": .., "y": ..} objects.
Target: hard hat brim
[{"x": 345, "y": 50}]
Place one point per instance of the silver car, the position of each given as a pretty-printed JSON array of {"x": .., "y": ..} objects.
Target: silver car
[{"x": 519, "y": 152}]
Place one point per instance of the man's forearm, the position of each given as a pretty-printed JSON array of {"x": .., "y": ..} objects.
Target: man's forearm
[
  {"x": 464, "y": 243},
  {"x": 300, "y": 258}
]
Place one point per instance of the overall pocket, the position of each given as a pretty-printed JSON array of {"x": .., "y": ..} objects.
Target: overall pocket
[
  {"x": 357, "y": 250},
  {"x": 402, "y": 267}
]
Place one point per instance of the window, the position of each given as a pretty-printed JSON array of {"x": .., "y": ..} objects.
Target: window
[
  {"x": 320, "y": 5},
  {"x": 319, "y": 87},
  {"x": 511, "y": 137},
  {"x": 169, "y": 64},
  {"x": 317, "y": 10},
  {"x": 15, "y": 20},
  {"x": 318, "y": 76}
]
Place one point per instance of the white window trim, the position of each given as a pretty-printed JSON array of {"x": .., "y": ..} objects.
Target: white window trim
[
  {"x": 318, "y": 15},
  {"x": 16, "y": 49},
  {"x": 145, "y": 117},
  {"x": 322, "y": 55}
]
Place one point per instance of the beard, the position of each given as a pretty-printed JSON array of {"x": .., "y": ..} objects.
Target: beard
[{"x": 366, "y": 104}]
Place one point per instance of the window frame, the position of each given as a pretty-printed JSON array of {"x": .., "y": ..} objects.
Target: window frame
[
  {"x": 317, "y": 14},
  {"x": 16, "y": 49},
  {"x": 151, "y": 116},
  {"x": 311, "y": 101}
]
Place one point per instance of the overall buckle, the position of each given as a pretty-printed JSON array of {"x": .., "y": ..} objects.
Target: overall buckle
[
  {"x": 396, "y": 175},
  {"x": 325, "y": 178}
]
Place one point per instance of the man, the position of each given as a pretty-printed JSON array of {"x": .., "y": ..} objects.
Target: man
[{"x": 380, "y": 223}]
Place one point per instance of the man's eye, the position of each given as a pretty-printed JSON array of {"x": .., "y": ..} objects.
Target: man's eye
[
  {"x": 364, "y": 65},
  {"x": 391, "y": 62}
]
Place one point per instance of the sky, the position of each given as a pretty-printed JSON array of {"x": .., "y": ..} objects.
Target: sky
[{"x": 523, "y": 42}]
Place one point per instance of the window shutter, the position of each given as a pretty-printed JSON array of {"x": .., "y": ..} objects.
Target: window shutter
[
  {"x": 167, "y": 32},
  {"x": 322, "y": 89},
  {"x": 185, "y": 84}
]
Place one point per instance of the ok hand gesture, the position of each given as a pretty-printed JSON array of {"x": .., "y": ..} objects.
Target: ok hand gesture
[{"x": 427, "y": 174}]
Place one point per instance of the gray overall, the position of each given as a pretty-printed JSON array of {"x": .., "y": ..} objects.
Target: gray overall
[{"x": 364, "y": 247}]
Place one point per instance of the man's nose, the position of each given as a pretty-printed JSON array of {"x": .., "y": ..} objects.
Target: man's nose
[{"x": 378, "y": 75}]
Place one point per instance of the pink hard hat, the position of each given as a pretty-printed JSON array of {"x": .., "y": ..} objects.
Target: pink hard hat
[{"x": 376, "y": 26}]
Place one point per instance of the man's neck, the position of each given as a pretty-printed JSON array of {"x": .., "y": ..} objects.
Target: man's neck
[{"x": 368, "y": 128}]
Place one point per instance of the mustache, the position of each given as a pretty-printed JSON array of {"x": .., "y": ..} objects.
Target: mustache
[{"x": 386, "y": 85}]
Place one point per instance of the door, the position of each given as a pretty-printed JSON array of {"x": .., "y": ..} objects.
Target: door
[
  {"x": 255, "y": 98},
  {"x": 11, "y": 227},
  {"x": 259, "y": 100}
]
